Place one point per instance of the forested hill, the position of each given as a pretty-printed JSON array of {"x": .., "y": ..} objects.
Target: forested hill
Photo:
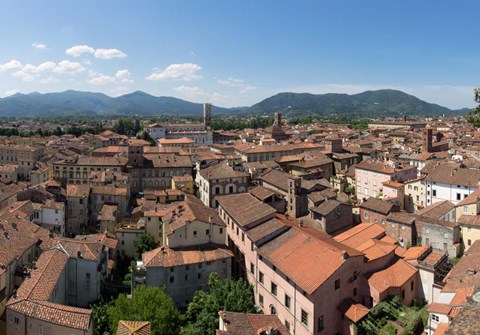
[{"x": 369, "y": 103}]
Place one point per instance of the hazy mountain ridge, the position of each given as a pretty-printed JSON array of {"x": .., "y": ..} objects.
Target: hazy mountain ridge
[{"x": 369, "y": 103}]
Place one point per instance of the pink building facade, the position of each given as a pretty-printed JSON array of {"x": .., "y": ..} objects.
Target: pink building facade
[{"x": 371, "y": 175}]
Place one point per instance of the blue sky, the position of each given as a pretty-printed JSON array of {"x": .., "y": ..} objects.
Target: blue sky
[{"x": 236, "y": 53}]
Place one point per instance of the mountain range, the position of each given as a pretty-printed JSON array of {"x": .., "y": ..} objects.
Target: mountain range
[{"x": 369, "y": 103}]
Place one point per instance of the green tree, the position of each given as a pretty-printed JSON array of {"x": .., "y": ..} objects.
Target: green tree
[
  {"x": 148, "y": 303},
  {"x": 100, "y": 320},
  {"x": 474, "y": 116},
  {"x": 145, "y": 243},
  {"x": 227, "y": 295}
]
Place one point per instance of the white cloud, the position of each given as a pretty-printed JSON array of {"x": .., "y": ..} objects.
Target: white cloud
[
  {"x": 119, "y": 90},
  {"x": 101, "y": 79},
  {"x": 191, "y": 91},
  {"x": 185, "y": 72},
  {"x": 79, "y": 50},
  {"x": 123, "y": 76},
  {"x": 248, "y": 88},
  {"x": 49, "y": 80},
  {"x": 109, "y": 53},
  {"x": 67, "y": 67},
  {"x": 39, "y": 45},
  {"x": 11, "y": 65},
  {"x": 11, "y": 92},
  {"x": 232, "y": 82}
]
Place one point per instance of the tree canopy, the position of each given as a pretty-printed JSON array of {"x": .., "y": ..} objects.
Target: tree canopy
[
  {"x": 474, "y": 116},
  {"x": 148, "y": 303},
  {"x": 145, "y": 243},
  {"x": 227, "y": 295}
]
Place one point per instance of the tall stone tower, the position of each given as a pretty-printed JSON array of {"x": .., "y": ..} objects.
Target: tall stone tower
[
  {"x": 278, "y": 120},
  {"x": 294, "y": 197},
  {"x": 427, "y": 140},
  {"x": 207, "y": 115},
  {"x": 135, "y": 155}
]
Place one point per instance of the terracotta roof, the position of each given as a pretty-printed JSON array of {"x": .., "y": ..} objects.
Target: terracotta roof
[
  {"x": 245, "y": 209},
  {"x": 178, "y": 214},
  {"x": 441, "y": 329},
  {"x": 221, "y": 171},
  {"x": 466, "y": 273},
  {"x": 79, "y": 248},
  {"x": 401, "y": 217},
  {"x": 394, "y": 276},
  {"x": 353, "y": 310},
  {"x": 80, "y": 190},
  {"x": 415, "y": 253},
  {"x": 437, "y": 209},
  {"x": 453, "y": 173},
  {"x": 133, "y": 327},
  {"x": 439, "y": 308},
  {"x": 167, "y": 257},
  {"x": 250, "y": 324},
  {"x": 294, "y": 252},
  {"x": 265, "y": 229},
  {"x": 262, "y": 193},
  {"x": 377, "y": 205},
  {"x": 375, "y": 249},
  {"x": 17, "y": 236},
  {"x": 328, "y": 206},
  {"x": 471, "y": 199},
  {"x": 356, "y": 236},
  {"x": 43, "y": 280},
  {"x": 66, "y": 316},
  {"x": 469, "y": 220}
]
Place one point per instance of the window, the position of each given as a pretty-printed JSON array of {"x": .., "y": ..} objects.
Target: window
[
  {"x": 320, "y": 323},
  {"x": 260, "y": 277},
  {"x": 469, "y": 242},
  {"x": 411, "y": 285},
  {"x": 435, "y": 318},
  {"x": 252, "y": 268},
  {"x": 273, "y": 288},
  {"x": 237, "y": 231},
  {"x": 287, "y": 301},
  {"x": 337, "y": 284},
  {"x": 354, "y": 291},
  {"x": 365, "y": 215},
  {"x": 374, "y": 182},
  {"x": 434, "y": 192},
  {"x": 172, "y": 269},
  {"x": 459, "y": 196},
  {"x": 186, "y": 277},
  {"x": 42, "y": 330},
  {"x": 304, "y": 318},
  {"x": 403, "y": 294},
  {"x": 287, "y": 325},
  {"x": 409, "y": 187},
  {"x": 221, "y": 230},
  {"x": 194, "y": 233},
  {"x": 207, "y": 232},
  {"x": 199, "y": 276},
  {"x": 171, "y": 279},
  {"x": 243, "y": 237},
  {"x": 260, "y": 299}
]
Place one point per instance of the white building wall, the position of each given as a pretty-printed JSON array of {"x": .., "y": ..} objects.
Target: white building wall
[{"x": 439, "y": 192}]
